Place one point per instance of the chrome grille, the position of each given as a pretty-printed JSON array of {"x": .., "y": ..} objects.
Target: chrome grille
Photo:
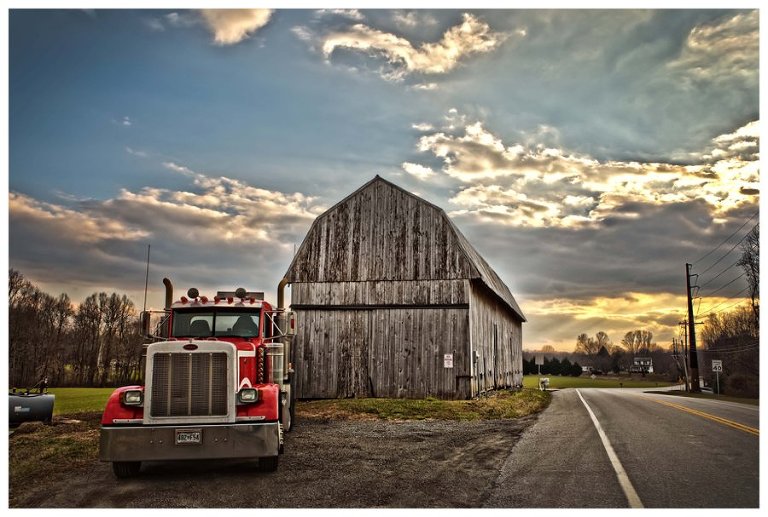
[{"x": 189, "y": 384}]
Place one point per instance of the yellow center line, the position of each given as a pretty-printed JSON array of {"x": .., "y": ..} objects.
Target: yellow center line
[{"x": 721, "y": 420}]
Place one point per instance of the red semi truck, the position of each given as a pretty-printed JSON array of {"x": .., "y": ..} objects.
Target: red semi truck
[{"x": 217, "y": 384}]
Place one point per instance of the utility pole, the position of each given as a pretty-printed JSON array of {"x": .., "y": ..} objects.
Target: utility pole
[
  {"x": 684, "y": 352},
  {"x": 695, "y": 388}
]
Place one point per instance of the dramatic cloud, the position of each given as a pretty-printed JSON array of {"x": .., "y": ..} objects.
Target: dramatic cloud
[
  {"x": 530, "y": 184},
  {"x": 231, "y": 26},
  {"x": 225, "y": 223},
  {"x": 727, "y": 51},
  {"x": 562, "y": 319},
  {"x": 472, "y": 36}
]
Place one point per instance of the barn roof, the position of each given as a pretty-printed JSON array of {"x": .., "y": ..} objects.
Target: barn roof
[{"x": 481, "y": 269}]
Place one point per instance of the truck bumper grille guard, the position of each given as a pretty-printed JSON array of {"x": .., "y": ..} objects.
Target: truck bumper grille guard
[{"x": 156, "y": 443}]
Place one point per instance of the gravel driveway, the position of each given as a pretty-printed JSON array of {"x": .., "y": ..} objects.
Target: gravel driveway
[{"x": 326, "y": 464}]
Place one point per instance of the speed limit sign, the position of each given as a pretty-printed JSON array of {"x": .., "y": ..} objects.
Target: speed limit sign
[{"x": 717, "y": 365}]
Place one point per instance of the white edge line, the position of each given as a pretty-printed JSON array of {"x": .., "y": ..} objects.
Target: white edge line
[{"x": 626, "y": 485}]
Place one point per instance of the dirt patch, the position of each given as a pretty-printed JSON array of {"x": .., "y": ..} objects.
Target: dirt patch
[{"x": 327, "y": 463}]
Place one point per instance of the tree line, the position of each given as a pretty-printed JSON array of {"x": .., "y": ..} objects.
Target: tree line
[
  {"x": 602, "y": 356},
  {"x": 95, "y": 343},
  {"x": 552, "y": 366}
]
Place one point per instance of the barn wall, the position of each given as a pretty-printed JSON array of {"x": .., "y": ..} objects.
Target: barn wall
[
  {"x": 380, "y": 233},
  {"x": 380, "y": 350},
  {"x": 496, "y": 336},
  {"x": 420, "y": 292}
]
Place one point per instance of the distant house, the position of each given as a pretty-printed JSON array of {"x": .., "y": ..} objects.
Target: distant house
[
  {"x": 641, "y": 365},
  {"x": 586, "y": 369},
  {"x": 392, "y": 300}
]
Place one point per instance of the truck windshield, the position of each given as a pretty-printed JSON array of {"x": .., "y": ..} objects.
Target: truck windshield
[{"x": 216, "y": 324}]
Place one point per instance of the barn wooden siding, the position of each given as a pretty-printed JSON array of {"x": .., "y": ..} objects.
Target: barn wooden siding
[
  {"x": 496, "y": 335},
  {"x": 383, "y": 286}
]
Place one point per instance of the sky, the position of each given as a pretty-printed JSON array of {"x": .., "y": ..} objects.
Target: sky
[{"x": 587, "y": 154}]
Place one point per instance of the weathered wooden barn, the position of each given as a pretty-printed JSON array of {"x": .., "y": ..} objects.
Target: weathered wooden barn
[{"x": 391, "y": 300}]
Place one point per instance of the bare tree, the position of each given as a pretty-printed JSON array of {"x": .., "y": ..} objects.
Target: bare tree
[
  {"x": 750, "y": 262},
  {"x": 603, "y": 341}
]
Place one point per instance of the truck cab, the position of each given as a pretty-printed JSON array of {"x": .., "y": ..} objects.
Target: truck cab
[{"x": 217, "y": 384}]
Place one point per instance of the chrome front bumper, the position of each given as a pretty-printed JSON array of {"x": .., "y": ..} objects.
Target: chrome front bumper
[{"x": 151, "y": 443}]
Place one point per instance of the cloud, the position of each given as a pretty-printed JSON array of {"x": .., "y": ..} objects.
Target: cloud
[
  {"x": 725, "y": 51},
  {"x": 557, "y": 321},
  {"x": 231, "y": 26},
  {"x": 224, "y": 223},
  {"x": 424, "y": 86},
  {"x": 530, "y": 183},
  {"x": 135, "y": 152},
  {"x": 423, "y": 126},
  {"x": 471, "y": 36},
  {"x": 419, "y": 171},
  {"x": 412, "y": 19},
  {"x": 352, "y": 14}
]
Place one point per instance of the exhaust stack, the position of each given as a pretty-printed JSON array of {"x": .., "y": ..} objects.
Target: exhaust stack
[{"x": 168, "y": 293}]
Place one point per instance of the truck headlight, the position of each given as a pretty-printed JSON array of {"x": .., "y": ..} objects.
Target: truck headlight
[
  {"x": 248, "y": 395},
  {"x": 133, "y": 397}
]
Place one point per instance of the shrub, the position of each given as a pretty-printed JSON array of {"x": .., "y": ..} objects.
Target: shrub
[{"x": 741, "y": 385}]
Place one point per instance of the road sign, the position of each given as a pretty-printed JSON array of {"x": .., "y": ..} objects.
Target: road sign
[
  {"x": 717, "y": 365},
  {"x": 539, "y": 359}
]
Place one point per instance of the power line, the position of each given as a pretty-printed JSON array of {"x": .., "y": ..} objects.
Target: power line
[
  {"x": 720, "y": 273},
  {"x": 726, "y": 285},
  {"x": 712, "y": 309},
  {"x": 727, "y": 238},
  {"x": 730, "y": 349},
  {"x": 726, "y": 254},
  {"x": 745, "y": 349}
]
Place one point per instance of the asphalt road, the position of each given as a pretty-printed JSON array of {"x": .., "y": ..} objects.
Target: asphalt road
[{"x": 676, "y": 452}]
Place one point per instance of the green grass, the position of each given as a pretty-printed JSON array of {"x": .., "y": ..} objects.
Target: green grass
[
  {"x": 557, "y": 382},
  {"x": 502, "y": 404},
  {"x": 497, "y": 405},
  {"x": 80, "y": 400}
]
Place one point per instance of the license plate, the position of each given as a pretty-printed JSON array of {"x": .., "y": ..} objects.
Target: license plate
[{"x": 189, "y": 436}]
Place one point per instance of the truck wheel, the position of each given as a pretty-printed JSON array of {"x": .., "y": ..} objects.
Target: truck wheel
[
  {"x": 268, "y": 464},
  {"x": 126, "y": 469}
]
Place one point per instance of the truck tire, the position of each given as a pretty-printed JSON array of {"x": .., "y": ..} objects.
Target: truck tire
[
  {"x": 126, "y": 469},
  {"x": 268, "y": 464}
]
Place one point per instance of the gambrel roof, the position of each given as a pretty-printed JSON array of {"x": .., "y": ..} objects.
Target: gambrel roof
[{"x": 473, "y": 266}]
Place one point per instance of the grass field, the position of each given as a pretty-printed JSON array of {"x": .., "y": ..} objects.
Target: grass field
[
  {"x": 503, "y": 404},
  {"x": 80, "y": 400},
  {"x": 86, "y": 400},
  {"x": 557, "y": 382}
]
